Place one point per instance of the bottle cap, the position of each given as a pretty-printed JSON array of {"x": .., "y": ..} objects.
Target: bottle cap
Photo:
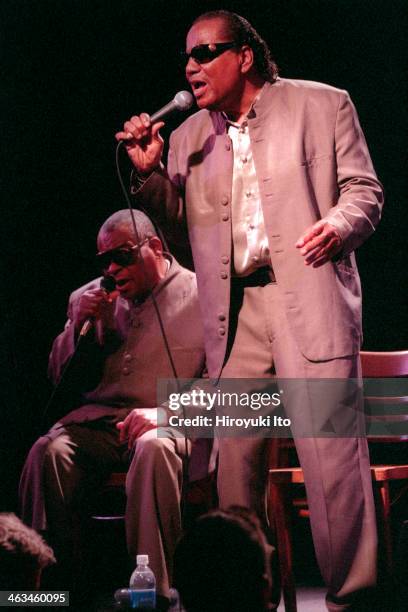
[{"x": 142, "y": 559}]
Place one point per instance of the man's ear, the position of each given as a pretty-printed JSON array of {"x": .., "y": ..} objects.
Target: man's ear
[
  {"x": 156, "y": 245},
  {"x": 247, "y": 59}
]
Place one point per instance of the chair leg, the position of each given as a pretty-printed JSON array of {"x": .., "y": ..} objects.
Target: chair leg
[
  {"x": 80, "y": 557},
  {"x": 279, "y": 514},
  {"x": 385, "y": 502}
]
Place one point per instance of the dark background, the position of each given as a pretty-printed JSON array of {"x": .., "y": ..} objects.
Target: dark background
[{"x": 73, "y": 71}]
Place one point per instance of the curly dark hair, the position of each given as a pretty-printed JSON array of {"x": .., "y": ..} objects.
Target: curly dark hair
[
  {"x": 243, "y": 33},
  {"x": 23, "y": 553}
]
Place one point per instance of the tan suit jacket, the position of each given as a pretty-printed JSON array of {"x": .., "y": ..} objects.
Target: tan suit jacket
[
  {"x": 135, "y": 357},
  {"x": 312, "y": 163}
]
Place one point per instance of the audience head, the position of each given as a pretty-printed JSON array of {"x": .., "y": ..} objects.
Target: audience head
[
  {"x": 222, "y": 564},
  {"x": 23, "y": 554}
]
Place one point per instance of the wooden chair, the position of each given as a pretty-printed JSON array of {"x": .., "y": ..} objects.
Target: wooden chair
[
  {"x": 200, "y": 495},
  {"x": 101, "y": 527},
  {"x": 281, "y": 479}
]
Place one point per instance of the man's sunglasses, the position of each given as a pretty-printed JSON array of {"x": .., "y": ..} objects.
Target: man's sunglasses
[
  {"x": 203, "y": 54},
  {"x": 123, "y": 256}
]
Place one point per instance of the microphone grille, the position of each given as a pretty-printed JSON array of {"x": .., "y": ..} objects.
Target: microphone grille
[
  {"x": 183, "y": 100},
  {"x": 108, "y": 283}
]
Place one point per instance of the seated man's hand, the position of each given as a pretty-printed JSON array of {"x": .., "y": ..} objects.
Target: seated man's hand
[
  {"x": 90, "y": 306},
  {"x": 137, "y": 422},
  {"x": 319, "y": 244}
]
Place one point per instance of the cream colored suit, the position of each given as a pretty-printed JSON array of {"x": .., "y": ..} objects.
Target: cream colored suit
[{"x": 312, "y": 163}]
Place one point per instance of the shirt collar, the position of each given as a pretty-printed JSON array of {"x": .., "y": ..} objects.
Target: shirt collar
[
  {"x": 169, "y": 259},
  {"x": 250, "y": 114}
]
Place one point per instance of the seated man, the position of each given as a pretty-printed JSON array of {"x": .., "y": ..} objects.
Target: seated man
[{"x": 117, "y": 419}]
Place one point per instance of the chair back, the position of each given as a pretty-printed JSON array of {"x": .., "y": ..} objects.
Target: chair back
[
  {"x": 386, "y": 401},
  {"x": 387, "y": 364}
]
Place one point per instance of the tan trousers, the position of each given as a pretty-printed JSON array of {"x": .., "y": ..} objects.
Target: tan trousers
[
  {"x": 80, "y": 456},
  {"x": 337, "y": 474}
]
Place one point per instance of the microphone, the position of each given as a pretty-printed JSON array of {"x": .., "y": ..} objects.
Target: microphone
[
  {"x": 107, "y": 283},
  {"x": 182, "y": 101}
]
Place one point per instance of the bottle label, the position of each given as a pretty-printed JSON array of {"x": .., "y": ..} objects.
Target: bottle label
[{"x": 143, "y": 598}]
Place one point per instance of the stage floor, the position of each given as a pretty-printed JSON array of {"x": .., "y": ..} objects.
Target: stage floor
[{"x": 309, "y": 599}]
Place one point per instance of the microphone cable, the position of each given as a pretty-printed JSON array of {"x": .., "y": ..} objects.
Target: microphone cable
[
  {"x": 186, "y": 461},
  {"x": 137, "y": 241}
]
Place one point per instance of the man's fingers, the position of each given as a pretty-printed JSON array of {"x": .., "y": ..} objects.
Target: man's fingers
[
  {"x": 315, "y": 248},
  {"x": 123, "y": 427},
  {"x": 123, "y": 136},
  {"x": 319, "y": 244},
  {"x": 322, "y": 254},
  {"x": 128, "y": 429},
  {"x": 156, "y": 127},
  {"x": 310, "y": 233},
  {"x": 320, "y": 262},
  {"x": 145, "y": 119},
  {"x": 137, "y": 133},
  {"x": 315, "y": 243},
  {"x": 134, "y": 426},
  {"x": 316, "y": 256},
  {"x": 137, "y": 127},
  {"x": 90, "y": 306},
  {"x": 120, "y": 427}
]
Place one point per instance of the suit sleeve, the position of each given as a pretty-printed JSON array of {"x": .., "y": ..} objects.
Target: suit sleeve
[
  {"x": 93, "y": 347},
  {"x": 63, "y": 347},
  {"x": 162, "y": 196},
  {"x": 358, "y": 209}
]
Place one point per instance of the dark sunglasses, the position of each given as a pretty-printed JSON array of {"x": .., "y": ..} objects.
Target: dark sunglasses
[
  {"x": 123, "y": 256},
  {"x": 203, "y": 54}
]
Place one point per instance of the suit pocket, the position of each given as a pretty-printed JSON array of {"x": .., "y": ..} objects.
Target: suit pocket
[{"x": 344, "y": 267}]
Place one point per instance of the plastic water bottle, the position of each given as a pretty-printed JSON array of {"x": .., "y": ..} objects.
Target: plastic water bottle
[{"x": 142, "y": 585}]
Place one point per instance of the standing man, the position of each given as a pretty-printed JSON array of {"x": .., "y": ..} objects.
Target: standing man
[
  {"x": 117, "y": 421},
  {"x": 276, "y": 183}
]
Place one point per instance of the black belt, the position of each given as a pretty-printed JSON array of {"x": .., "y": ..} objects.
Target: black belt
[{"x": 261, "y": 277}]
